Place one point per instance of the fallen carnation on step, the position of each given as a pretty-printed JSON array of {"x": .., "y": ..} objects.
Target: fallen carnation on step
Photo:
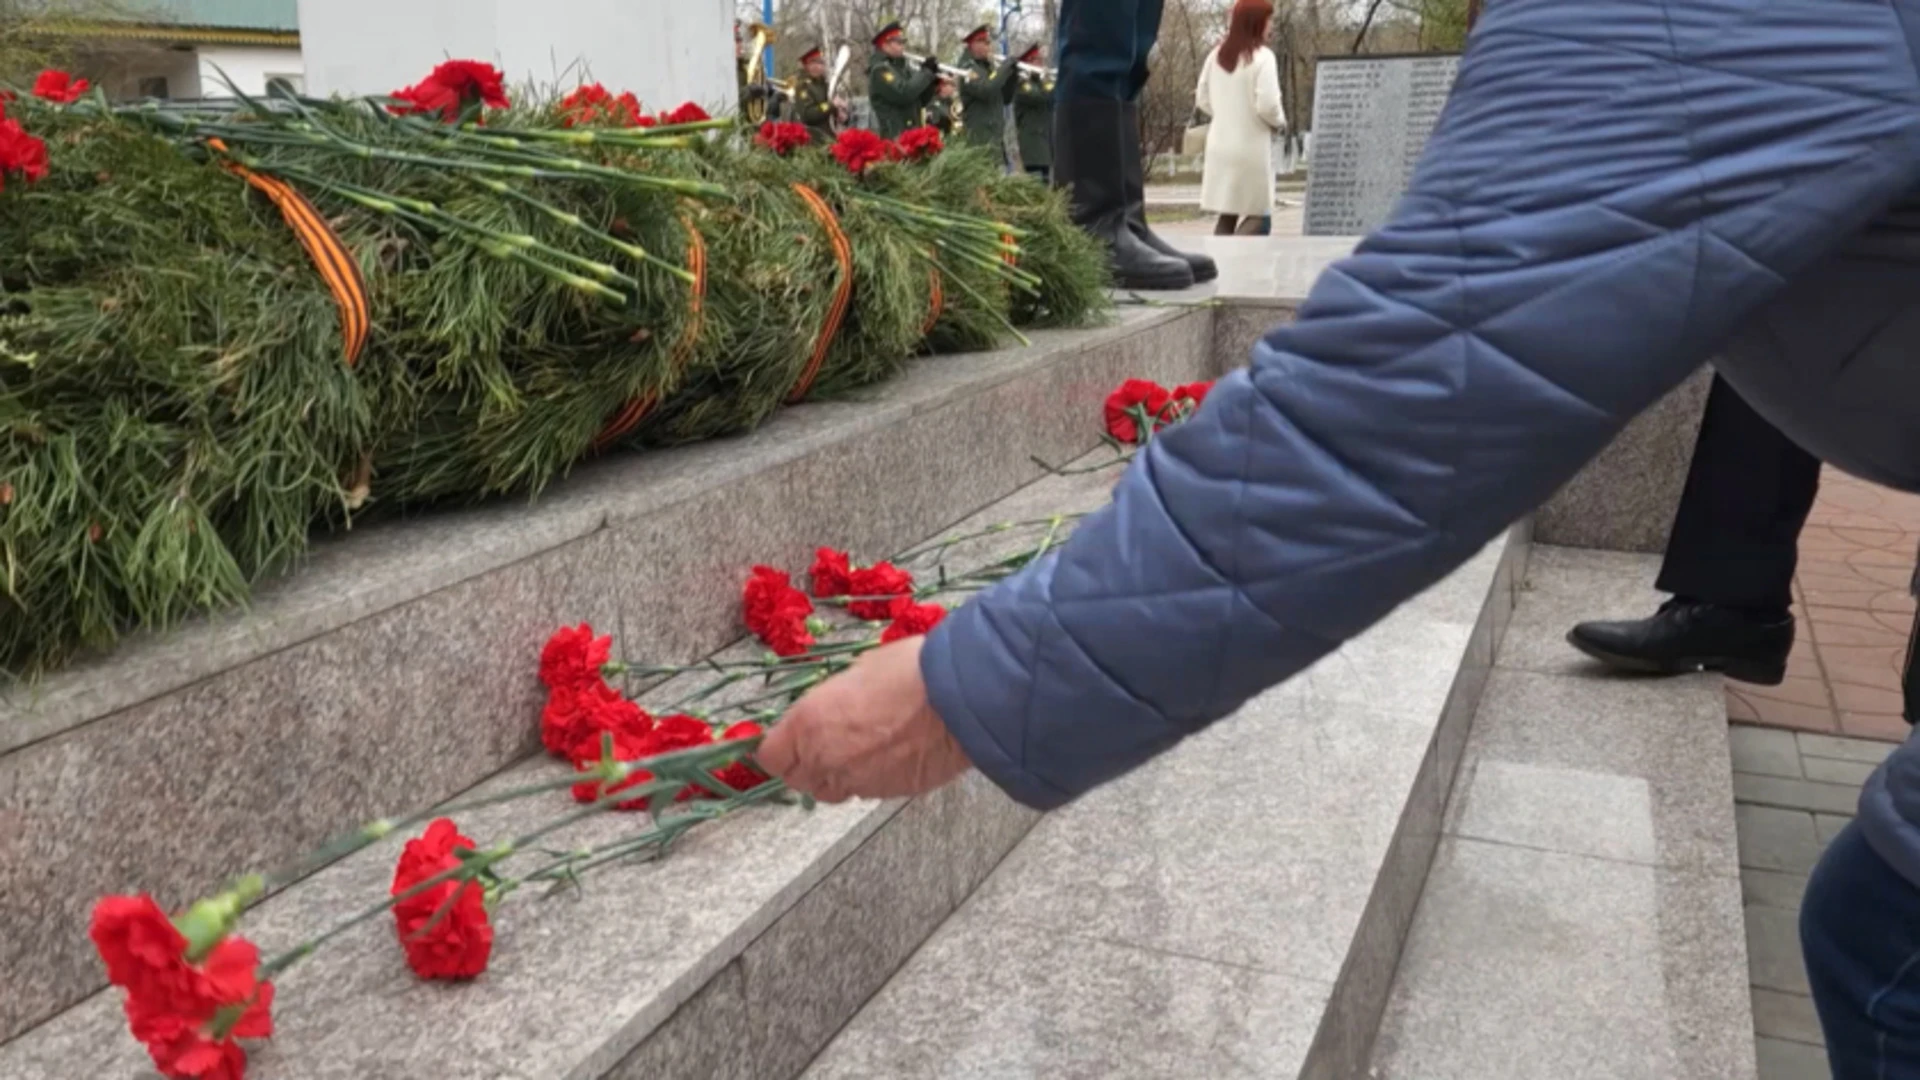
[
  {"x": 443, "y": 929},
  {"x": 188, "y": 1014},
  {"x": 911, "y": 620},
  {"x": 875, "y": 587},
  {"x": 777, "y": 613}
]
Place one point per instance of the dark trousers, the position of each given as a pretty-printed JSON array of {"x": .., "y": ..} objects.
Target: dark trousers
[
  {"x": 1041, "y": 172},
  {"x": 1736, "y": 537},
  {"x": 1103, "y": 48},
  {"x": 1860, "y": 933}
]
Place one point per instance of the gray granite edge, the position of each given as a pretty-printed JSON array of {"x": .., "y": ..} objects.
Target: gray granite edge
[
  {"x": 1458, "y": 692},
  {"x": 600, "y": 495}
]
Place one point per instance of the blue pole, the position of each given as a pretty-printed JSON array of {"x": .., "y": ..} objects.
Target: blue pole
[{"x": 1006, "y": 16}]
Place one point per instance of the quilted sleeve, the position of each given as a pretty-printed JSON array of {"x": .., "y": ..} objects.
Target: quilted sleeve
[{"x": 1613, "y": 187}]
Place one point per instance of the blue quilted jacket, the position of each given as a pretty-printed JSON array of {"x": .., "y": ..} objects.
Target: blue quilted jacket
[{"x": 1618, "y": 191}]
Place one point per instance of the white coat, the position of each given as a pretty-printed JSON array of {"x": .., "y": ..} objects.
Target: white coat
[{"x": 1237, "y": 177}]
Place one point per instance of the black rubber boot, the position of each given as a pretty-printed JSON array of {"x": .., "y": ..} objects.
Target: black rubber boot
[
  {"x": 1686, "y": 636},
  {"x": 1090, "y": 140},
  {"x": 1135, "y": 176}
]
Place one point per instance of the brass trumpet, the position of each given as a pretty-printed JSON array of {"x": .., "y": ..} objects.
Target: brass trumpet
[
  {"x": 1030, "y": 69},
  {"x": 945, "y": 69}
]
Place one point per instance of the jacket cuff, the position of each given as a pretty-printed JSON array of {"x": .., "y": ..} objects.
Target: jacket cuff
[{"x": 983, "y": 749}]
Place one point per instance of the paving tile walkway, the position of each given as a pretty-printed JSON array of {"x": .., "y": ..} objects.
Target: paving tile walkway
[
  {"x": 1851, "y": 594},
  {"x": 1793, "y": 792}
]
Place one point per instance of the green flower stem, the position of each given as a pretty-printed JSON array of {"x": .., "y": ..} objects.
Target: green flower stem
[
  {"x": 431, "y": 216},
  {"x": 671, "y": 773},
  {"x": 984, "y": 303},
  {"x": 576, "y": 223}
]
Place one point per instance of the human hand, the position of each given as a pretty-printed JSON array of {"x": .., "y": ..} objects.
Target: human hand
[
  {"x": 931, "y": 63},
  {"x": 869, "y": 732}
]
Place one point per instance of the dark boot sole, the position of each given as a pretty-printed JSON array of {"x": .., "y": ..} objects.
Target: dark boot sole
[
  {"x": 1153, "y": 283},
  {"x": 1739, "y": 669}
]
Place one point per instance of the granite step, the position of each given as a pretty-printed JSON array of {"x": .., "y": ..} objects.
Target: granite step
[
  {"x": 397, "y": 668},
  {"x": 737, "y": 956},
  {"x": 1234, "y": 909},
  {"x": 1583, "y": 913}
]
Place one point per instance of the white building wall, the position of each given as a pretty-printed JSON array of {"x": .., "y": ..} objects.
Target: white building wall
[
  {"x": 248, "y": 68},
  {"x": 666, "y": 51}
]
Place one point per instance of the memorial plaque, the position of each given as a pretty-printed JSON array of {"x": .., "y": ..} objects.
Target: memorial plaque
[{"x": 1372, "y": 115}]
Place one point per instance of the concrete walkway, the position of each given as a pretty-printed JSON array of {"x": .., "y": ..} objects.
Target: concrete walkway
[
  {"x": 1794, "y": 791},
  {"x": 1851, "y": 596}
]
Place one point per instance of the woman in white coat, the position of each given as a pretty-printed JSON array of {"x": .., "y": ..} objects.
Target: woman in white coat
[{"x": 1240, "y": 89}]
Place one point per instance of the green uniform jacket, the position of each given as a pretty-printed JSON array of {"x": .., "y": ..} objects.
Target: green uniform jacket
[
  {"x": 899, "y": 91},
  {"x": 986, "y": 93},
  {"x": 1033, "y": 119},
  {"x": 813, "y": 106}
]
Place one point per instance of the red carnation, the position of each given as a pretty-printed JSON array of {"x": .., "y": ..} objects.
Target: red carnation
[
  {"x": 573, "y": 719},
  {"x": 783, "y": 139},
  {"x": 832, "y": 574},
  {"x": 1136, "y": 398},
  {"x": 585, "y": 105},
  {"x": 858, "y": 148},
  {"x": 777, "y": 612},
  {"x": 593, "y": 103},
  {"x": 669, "y": 734},
  {"x": 879, "y": 584},
  {"x": 58, "y": 86},
  {"x": 20, "y": 153},
  {"x": 1191, "y": 396},
  {"x": 741, "y": 776},
  {"x": 688, "y": 113},
  {"x": 573, "y": 657},
  {"x": 187, "y": 1014},
  {"x": 453, "y": 88},
  {"x": 912, "y": 620},
  {"x": 628, "y": 745},
  {"x": 921, "y": 143},
  {"x": 441, "y": 944}
]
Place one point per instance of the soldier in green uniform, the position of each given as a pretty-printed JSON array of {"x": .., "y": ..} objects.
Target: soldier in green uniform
[
  {"x": 944, "y": 113},
  {"x": 899, "y": 90},
  {"x": 1033, "y": 115},
  {"x": 813, "y": 103},
  {"x": 985, "y": 94}
]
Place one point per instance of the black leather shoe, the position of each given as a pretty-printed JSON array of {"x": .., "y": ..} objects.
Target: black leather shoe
[
  {"x": 1091, "y": 137},
  {"x": 1134, "y": 174},
  {"x": 1686, "y": 636}
]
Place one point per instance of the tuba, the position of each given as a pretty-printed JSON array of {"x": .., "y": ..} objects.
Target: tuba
[{"x": 764, "y": 93}]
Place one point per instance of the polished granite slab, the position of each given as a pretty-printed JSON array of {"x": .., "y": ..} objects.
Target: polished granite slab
[
  {"x": 1583, "y": 916},
  {"x": 1236, "y": 907}
]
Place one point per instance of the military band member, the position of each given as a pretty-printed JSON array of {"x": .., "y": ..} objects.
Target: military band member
[
  {"x": 813, "y": 103},
  {"x": 985, "y": 94},
  {"x": 1033, "y": 114},
  {"x": 899, "y": 90},
  {"x": 944, "y": 112}
]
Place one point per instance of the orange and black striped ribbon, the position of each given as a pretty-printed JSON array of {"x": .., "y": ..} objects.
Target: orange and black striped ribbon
[
  {"x": 324, "y": 246},
  {"x": 634, "y": 411},
  {"x": 842, "y": 295}
]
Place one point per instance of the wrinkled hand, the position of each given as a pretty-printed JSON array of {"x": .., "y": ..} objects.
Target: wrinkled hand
[{"x": 866, "y": 733}]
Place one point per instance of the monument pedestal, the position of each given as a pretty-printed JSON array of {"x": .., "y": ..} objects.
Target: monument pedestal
[
  {"x": 1624, "y": 500},
  {"x": 665, "y": 51}
]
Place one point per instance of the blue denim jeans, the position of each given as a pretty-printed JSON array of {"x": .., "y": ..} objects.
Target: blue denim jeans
[
  {"x": 1860, "y": 929},
  {"x": 1103, "y": 48}
]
